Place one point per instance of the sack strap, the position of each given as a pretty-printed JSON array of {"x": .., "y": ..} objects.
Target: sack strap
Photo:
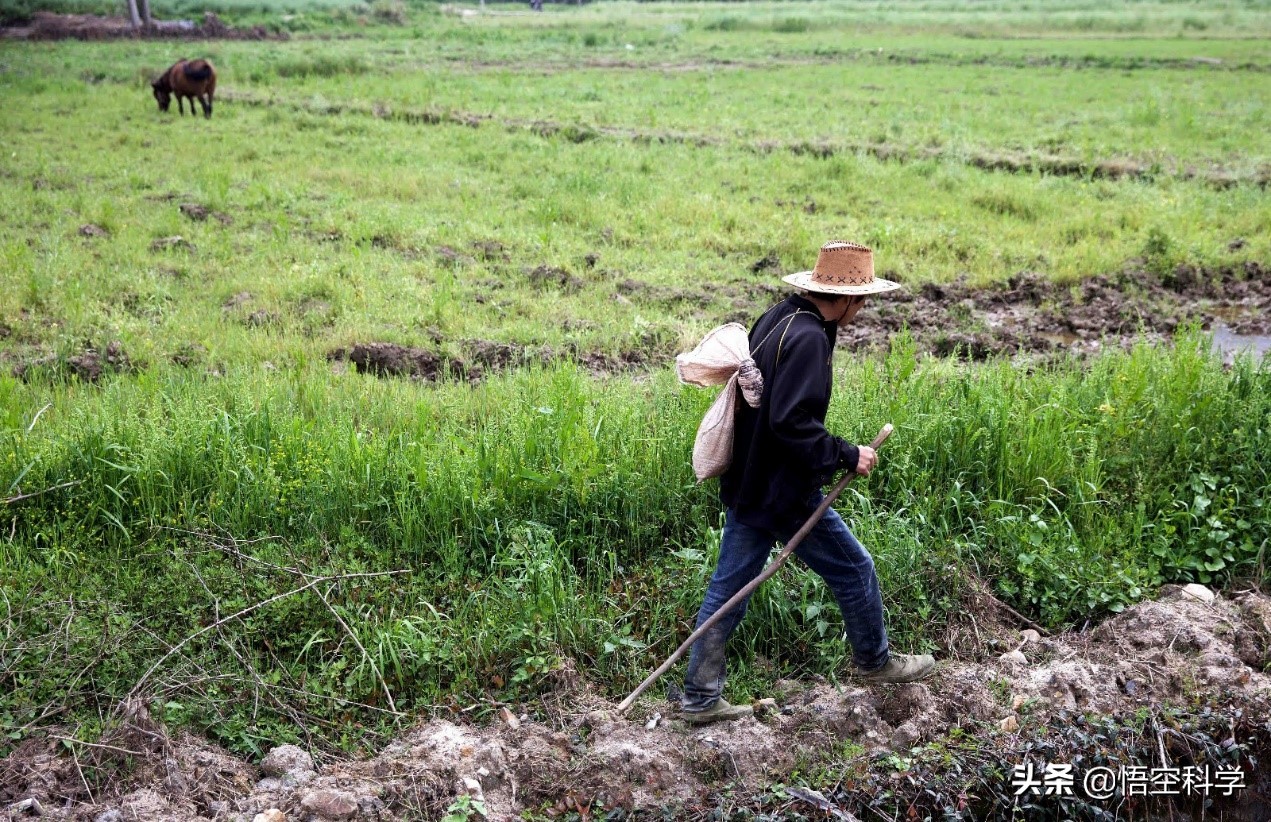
[{"x": 789, "y": 321}]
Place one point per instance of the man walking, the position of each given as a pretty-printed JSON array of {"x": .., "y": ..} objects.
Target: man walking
[{"x": 782, "y": 456}]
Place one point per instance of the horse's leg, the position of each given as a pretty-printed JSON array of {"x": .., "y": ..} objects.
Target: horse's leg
[
  {"x": 205, "y": 99},
  {"x": 180, "y": 104}
]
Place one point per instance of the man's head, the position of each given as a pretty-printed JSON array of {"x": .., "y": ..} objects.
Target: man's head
[
  {"x": 841, "y": 281},
  {"x": 838, "y": 308}
]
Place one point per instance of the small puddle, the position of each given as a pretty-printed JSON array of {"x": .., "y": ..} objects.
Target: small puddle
[{"x": 1229, "y": 343}]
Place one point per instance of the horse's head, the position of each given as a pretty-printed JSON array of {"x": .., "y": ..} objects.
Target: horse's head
[{"x": 162, "y": 94}]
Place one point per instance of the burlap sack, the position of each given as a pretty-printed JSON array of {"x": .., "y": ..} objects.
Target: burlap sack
[{"x": 723, "y": 356}]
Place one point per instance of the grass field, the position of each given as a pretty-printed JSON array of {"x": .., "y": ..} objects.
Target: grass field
[{"x": 602, "y": 183}]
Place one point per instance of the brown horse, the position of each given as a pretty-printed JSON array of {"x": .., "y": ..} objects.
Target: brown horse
[{"x": 195, "y": 79}]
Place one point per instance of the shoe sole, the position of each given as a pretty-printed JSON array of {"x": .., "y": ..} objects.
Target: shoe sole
[
  {"x": 904, "y": 681},
  {"x": 717, "y": 718}
]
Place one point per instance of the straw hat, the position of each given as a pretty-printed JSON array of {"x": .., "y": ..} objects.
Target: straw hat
[{"x": 842, "y": 268}]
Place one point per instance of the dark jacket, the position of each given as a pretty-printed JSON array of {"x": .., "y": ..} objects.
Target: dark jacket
[{"x": 782, "y": 453}]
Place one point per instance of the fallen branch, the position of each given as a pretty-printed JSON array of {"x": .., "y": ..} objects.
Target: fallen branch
[
  {"x": 817, "y": 800},
  {"x": 369, "y": 661},
  {"x": 11, "y": 500},
  {"x": 999, "y": 603},
  {"x": 244, "y": 612},
  {"x": 97, "y": 745}
]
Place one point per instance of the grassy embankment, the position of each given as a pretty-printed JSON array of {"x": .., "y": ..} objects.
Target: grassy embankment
[{"x": 550, "y": 514}]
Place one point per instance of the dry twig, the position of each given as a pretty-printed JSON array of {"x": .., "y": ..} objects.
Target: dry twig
[
  {"x": 11, "y": 500},
  {"x": 369, "y": 660},
  {"x": 244, "y": 612}
]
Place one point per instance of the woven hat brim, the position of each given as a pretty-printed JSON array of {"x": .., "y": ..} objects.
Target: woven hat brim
[{"x": 803, "y": 280}]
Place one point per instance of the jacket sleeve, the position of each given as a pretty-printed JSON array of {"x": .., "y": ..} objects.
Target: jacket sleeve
[{"x": 798, "y": 390}]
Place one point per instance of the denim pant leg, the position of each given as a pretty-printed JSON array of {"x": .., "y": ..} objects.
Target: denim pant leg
[
  {"x": 743, "y": 552},
  {"x": 848, "y": 570}
]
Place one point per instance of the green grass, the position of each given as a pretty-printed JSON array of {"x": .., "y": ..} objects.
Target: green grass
[
  {"x": 548, "y": 515},
  {"x": 337, "y": 220}
]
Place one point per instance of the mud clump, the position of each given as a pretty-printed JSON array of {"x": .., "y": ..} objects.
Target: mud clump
[
  {"x": 259, "y": 318},
  {"x": 173, "y": 243},
  {"x": 383, "y": 359},
  {"x": 481, "y": 358},
  {"x": 188, "y": 355},
  {"x": 668, "y": 296},
  {"x": 767, "y": 264},
  {"x": 194, "y": 211},
  {"x": 93, "y": 230},
  {"x": 550, "y": 276},
  {"x": 90, "y": 364},
  {"x": 452, "y": 257},
  {"x": 602, "y": 362},
  {"x": 489, "y": 355},
  {"x": 491, "y": 250},
  {"x": 200, "y": 213}
]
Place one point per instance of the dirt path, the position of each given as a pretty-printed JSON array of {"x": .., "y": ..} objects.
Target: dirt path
[{"x": 1016, "y": 694}]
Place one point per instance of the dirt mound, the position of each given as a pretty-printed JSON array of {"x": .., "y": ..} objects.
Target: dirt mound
[
  {"x": 545, "y": 275},
  {"x": 1185, "y": 649},
  {"x": 45, "y": 25},
  {"x": 480, "y": 358},
  {"x": 200, "y": 213},
  {"x": 89, "y": 364},
  {"x": 391, "y": 360}
]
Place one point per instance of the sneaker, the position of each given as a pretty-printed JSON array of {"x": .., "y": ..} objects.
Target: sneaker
[
  {"x": 721, "y": 711},
  {"x": 902, "y": 668}
]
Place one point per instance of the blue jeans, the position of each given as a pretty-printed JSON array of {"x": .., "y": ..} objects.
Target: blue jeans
[{"x": 831, "y": 551}]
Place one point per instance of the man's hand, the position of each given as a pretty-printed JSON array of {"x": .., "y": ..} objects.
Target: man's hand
[{"x": 866, "y": 460}]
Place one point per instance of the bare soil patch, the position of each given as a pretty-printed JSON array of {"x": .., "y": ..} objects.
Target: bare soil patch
[
  {"x": 1106, "y": 692},
  {"x": 479, "y": 358},
  {"x": 547, "y": 276},
  {"x": 1030, "y": 314},
  {"x": 89, "y": 364},
  {"x": 391, "y": 360},
  {"x": 199, "y": 213}
]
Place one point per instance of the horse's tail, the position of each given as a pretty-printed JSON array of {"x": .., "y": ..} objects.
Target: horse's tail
[{"x": 198, "y": 70}]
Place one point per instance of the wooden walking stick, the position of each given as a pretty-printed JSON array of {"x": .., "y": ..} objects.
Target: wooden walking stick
[{"x": 750, "y": 587}]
